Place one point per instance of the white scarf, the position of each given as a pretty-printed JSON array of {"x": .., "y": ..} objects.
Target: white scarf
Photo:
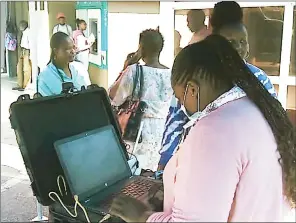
[{"x": 231, "y": 95}]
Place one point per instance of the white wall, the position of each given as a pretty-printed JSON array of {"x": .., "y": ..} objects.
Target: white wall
[{"x": 123, "y": 37}]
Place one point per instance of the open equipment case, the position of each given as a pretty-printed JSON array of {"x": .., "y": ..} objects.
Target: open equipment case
[{"x": 41, "y": 121}]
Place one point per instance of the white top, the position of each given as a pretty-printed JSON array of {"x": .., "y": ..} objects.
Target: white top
[
  {"x": 80, "y": 69},
  {"x": 25, "y": 40},
  {"x": 63, "y": 28},
  {"x": 82, "y": 43},
  {"x": 157, "y": 90}
]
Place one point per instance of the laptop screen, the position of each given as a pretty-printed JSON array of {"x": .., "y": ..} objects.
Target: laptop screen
[{"x": 92, "y": 161}]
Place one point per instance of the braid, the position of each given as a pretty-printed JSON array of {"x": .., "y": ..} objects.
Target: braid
[
  {"x": 282, "y": 128},
  {"x": 231, "y": 69}
]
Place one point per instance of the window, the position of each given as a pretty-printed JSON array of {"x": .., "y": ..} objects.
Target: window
[
  {"x": 265, "y": 29},
  {"x": 124, "y": 39},
  {"x": 293, "y": 51},
  {"x": 93, "y": 29}
]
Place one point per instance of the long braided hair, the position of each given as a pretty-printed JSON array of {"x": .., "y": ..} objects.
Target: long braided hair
[{"x": 216, "y": 60}]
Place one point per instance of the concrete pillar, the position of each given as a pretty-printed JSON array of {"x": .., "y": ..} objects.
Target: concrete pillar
[
  {"x": 166, "y": 27},
  {"x": 286, "y": 53},
  {"x": 40, "y": 49}
]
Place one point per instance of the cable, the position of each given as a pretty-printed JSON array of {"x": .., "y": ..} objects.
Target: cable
[
  {"x": 127, "y": 146},
  {"x": 105, "y": 218},
  {"x": 61, "y": 202},
  {"x": 58, "y": 183}
]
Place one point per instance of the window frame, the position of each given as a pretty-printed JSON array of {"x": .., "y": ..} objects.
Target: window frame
[{"x": 167, "y": 25}]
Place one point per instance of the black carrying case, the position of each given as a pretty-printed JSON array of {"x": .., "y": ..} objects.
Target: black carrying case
[{"x": 41, "y": 121}]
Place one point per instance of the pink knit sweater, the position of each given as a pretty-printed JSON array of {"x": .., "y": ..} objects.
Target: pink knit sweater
[{"x": 226, "y": 170}]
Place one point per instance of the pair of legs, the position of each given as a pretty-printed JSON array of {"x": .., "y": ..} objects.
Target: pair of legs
[{"x": 24, "y": 70}]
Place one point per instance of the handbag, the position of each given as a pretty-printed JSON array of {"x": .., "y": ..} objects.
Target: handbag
[{"x": 130, "y": 114}]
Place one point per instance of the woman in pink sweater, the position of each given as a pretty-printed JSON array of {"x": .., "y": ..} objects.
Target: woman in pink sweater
[{"x": 238, "y": 162}]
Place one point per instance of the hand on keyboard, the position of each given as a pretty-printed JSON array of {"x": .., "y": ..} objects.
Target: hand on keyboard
[
  {"x": 156, "y": 196},
  {"x": 130, "y": 209}
]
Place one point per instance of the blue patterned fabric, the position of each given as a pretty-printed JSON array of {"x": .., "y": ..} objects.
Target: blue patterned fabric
[
  {"x": 263, "y": 78},
  {"x": 176, "y": 119}
]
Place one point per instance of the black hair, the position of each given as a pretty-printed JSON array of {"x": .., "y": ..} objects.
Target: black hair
[
  {"x": 226, "y": 13},
  {"x": 215, "y": 59},
  {"x": 24, "y": 24},
  {"x": 56, "y": 41},
  {"x": 151, "y": 41},
  {"x": 196, "y": 19},
  {"x": 79, "y": 21}
]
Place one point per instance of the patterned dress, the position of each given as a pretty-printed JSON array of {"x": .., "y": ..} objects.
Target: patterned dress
[{"x": 157, "y": 93}]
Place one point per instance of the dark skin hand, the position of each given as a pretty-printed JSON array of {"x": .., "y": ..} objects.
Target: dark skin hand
[
  {"x": 135, "y": 59},
  {"x": 130, "y": 209},
  {"x": 133, "y": 210}
]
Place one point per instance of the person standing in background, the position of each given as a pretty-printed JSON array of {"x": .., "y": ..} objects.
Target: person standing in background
[
  {"x": 196, "y": 24},
  {"x": 10, "y": 44},
  {"x": 82, "y": 43},
  {"x": 24, "y": 69},
  {"x": 156, "y": 92},
  {"x": 61, "y": 68},
  {"x": 62, "y": 26}
]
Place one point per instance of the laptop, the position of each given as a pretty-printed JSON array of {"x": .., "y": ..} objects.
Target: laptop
[{"x": 96, "y": 169}]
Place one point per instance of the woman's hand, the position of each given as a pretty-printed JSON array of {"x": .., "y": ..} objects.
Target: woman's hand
[
  {"x": 136, "y": 58},
  {"x": 130, "y": 209},
  {"x": 156, "y": 197}
]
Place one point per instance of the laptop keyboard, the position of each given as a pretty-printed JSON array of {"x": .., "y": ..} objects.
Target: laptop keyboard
[{"x": 135, "y": 189}]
